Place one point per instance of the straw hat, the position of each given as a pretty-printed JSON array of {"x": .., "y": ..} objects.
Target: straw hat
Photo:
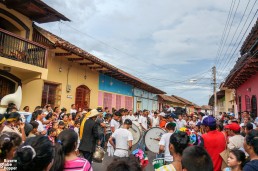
[{"x": 94, "y": 112}]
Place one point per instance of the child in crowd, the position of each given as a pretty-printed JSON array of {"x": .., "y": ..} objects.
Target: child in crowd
[
  {"x": 68, "y": 160},
  {"x": 52, "y": 135},
  {"x": 9, "y": 142},
  {"x": 65, "y": 120},
  {"x": 34, "y": 130},
  {"x": 76, "y": 129},
  {"x": 236, "y": 160},
  {"x": 108, "y": 131},
  {"x": 55, "y": 125},
  {"x": 70, "y": 121},
  {"x": 61, "y": 127}
]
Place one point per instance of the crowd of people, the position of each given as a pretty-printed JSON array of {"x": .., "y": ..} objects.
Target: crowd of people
[{"x": 55, "y": 139}]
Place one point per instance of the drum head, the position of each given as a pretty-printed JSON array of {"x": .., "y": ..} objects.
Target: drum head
[
  {"x": 152, "y": 138},
  {"x": 136, "y": 134}
]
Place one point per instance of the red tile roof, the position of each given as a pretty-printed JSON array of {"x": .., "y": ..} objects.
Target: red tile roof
[{"x": 114, "y": 71}]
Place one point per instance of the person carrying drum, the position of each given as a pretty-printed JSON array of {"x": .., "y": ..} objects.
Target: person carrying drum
[
  {"x": 164, "y": 143},
  {"x": 123, "y": 138}
]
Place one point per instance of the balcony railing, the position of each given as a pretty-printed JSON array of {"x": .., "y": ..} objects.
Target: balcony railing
[{"x": 23, "y": 50}]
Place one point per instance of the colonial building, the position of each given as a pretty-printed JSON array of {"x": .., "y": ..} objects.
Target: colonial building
[
  {"x": 52, "y": 70},
  {"x": 244, "y": 75}
]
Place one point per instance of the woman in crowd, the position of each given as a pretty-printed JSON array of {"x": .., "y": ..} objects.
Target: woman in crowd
[
  {"x": 236, "y": 160},
  {"x": 66, "y": 158},
  {"x": 14, "y": 124},
  {"x": 251, "y": 147},
  {"x": 36, "y": 154},
  {"x": 9, "y": 142},
  {"x": 38, "y": 117},
  {"x": 26, "y": 109},
  {"x": 178, "y": 142}
]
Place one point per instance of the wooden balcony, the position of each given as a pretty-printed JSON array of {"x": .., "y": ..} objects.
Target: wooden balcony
[{"x": 17, "y": 48}]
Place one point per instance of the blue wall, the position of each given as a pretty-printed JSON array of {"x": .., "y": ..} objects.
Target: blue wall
[
  {"x": 146, "y": 99},
  {"x": 118, "y": 87}
]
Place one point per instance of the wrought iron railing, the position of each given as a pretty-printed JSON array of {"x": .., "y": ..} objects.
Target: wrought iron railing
[{"x": 23, "y": 50}]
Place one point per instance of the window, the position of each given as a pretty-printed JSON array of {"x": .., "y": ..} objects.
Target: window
[
  {"x": 254, "y": 106},
  {"x": 82, "y": 99},
  {"x": 6, "y": 87},
  {"x": 107, "y": 100},
  {"x": 118, "y": 102},
  {"x": 50, "y": 95},
  {"x": 129, "y": 103},
  {"x": 248, "y": 103}
]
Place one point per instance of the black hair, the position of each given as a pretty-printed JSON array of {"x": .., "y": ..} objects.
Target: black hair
[
  {"x": 118, "y": 113},
  {"x": 34, "y": 124},
  {"x": 28, "y": 128},
  {"x": 51, "y": 130},
  {"x": 126, "y": 110},
  {"x": 249, "y": 126},
  {"x": 55, "y": 108},
  {"x": 240, "y": 156},
  {"x": 66, "y": 143},
  {"x": 37, "y": 108},
  {"x": 8, "y": 140},
  {"x": 35, "y": 154},
  {"x": 125, "y": 164},
  {"x": 180, "y": 141},
  {"x": 108, "y": 115},
  {"x": 128, "y": 122},
  {"x": 220, "y": 127},
  {"x": 35, "y": 115},
  {"x": 25, "y": 107},
  {"x": 196, "y": 158},
  {"x": 213, "y": 127},
  {"x": 63, "y": 109},
  {"x": 49, "y": 116},
  {"x": 171, "y": 126},
  {"x": 73, "y": 116},
  {"x": 61, "y": 123},
  {"x": 15, "y": 115},
  {"x": 252, "y": 140}
]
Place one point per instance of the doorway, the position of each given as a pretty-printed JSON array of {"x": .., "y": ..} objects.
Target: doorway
[
  {"x": 6, "y": 86},
  {"x": 82, "y": 97},
  {"x": 254, "y": 106}
]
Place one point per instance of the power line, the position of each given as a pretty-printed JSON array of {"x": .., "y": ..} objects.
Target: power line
[
  {"x": 223, "y": 45},
  {"x": 232, "y": 56},
  {"x": 223, "y": 33},
  {"x": 235, "y": 31}
]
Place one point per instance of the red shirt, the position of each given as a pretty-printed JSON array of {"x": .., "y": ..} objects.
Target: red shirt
[
  {"x": 215, "y": 143},
  {"x": 162, "y": 123}
]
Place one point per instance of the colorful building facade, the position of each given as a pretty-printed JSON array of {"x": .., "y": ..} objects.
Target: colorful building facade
[
  {"x": 145, "y": 100},
  {"x": 114, "y": 93}
]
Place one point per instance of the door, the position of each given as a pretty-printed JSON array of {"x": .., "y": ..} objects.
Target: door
[
  {"x": 82, "y": 97},
  {"x": 138, "y": 105}
]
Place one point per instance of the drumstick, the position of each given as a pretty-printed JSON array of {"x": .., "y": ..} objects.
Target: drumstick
[{"x": 157, "y": 139}]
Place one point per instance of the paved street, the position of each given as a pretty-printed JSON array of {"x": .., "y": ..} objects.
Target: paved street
[{"x": 107, "y": 160}]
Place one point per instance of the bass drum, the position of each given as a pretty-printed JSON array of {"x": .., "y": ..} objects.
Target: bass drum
[
  {"x": 136, "y": 132},
  {"x": 152, "y": 138}
]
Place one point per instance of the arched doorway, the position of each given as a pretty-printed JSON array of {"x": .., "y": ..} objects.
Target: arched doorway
[
  {"x": 82, "y": 97},
  {"x": 7, "y": 86},
  {"x": 254, "y": 106}
]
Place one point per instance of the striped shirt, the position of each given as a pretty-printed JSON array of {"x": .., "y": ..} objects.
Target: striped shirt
[
  {"x": 169, "y": 167},
  {"x": 79, "y": 164}
]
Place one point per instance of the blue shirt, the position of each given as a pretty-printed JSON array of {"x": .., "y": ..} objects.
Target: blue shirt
[{"x": 251, "y": 166}]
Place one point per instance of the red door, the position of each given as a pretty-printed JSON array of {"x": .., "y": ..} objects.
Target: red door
[{"x": 82, "y": 97}]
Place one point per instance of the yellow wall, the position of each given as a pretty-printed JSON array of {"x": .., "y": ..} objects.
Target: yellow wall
[
  {"x": 75, "y": 79},
  {"x": 21, "y": 17},
  {"x": 31, "y": 94}
]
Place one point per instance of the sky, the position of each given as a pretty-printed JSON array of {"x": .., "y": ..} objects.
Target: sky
[{"x": 171, "y": 45}]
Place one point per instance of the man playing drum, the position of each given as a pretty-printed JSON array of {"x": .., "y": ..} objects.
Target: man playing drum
[
  {"x": 164, "y": 143},
  {"x": 123, "y": 138}
]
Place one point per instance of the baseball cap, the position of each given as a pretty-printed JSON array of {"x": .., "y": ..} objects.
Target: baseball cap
[
  {"x": 172, "y": 115},
  {"x": 209, "y": 121},
  {"x": 233, "y": 127}
]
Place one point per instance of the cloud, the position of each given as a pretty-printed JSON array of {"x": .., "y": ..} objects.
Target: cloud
[{"x": 162, "y": 42}]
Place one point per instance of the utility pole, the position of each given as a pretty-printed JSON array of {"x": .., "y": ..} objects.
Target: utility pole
[{"x": 214, "y": 89}]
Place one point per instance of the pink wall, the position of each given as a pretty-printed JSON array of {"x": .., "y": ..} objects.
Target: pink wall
[
  {"x": 114, "y": 100},
  {"x": 250, "y": 88},
  {"x": 123, "y": 101},
  {"x": 100, "y": 98}
]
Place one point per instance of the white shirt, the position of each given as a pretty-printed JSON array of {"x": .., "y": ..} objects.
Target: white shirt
[
  {"x": 73, "y": 111},
  {"x": 164, "y": 141},
  {"x": 171, "y": 109},
  {"x": 114, "y": 124},
  {"x": 143, "y": 121},
  {"x": 131, "y": 117},
  {"x": 124, "y": 118},
  {"x": 40, "y": 127},
  {"x": 181, "y": 123},
  {"x": 243, "y": 124},
  {"x": 155, "y": 122},
  {"x": 122, "y": 136}
]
